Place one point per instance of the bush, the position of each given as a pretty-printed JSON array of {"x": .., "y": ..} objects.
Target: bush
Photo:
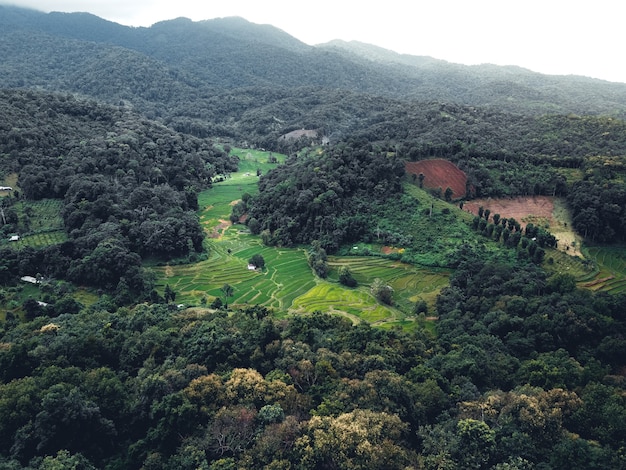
[
  {"x": 382, "y": 291},
  {"x": 258, "y": 261},
  {"x": 345, "y": 277}
]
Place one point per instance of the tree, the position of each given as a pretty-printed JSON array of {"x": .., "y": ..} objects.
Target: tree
[
  {"x": 346, "y": 278},
  {"x": 254, "y": 225},
  {"x": 169, "y": 295},
  {"x": 420, "y": 307},
  {"x": 228, "y": 290},
  {"x": 63, "y": 460},
  {"x": 32, "y": 308},
  {"x": 69, "y": 420},
  {"x": 477, "y": 442},
  {"x": 232, "y": 431},
  {"x": 317, "y": 259},
  {"x": 357, "y": 440},
  {"x": 382, "y": 291},
  {"x": 257, "y": 260}
]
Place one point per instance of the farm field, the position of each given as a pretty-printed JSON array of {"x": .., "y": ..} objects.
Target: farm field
[
  {"x": 595, "y": 268},
  {"x": 39, "y": 240},
  {"x": 40, "y": 222},
  {"x": 440, "y": 173},
  {"x": 287, "y": 283},
  {"x": 611, "y": 273}
]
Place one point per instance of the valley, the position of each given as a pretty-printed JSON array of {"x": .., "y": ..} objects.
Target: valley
[{"x": 225, "y": 249}]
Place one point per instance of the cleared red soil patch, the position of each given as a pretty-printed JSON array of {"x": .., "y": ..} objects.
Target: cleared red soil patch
[
  {"x": 439, "y": 173},
  {"x": 531, "y": 209}
]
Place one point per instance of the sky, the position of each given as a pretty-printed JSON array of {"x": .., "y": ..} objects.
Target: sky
[{"x": 562, "y": 37}]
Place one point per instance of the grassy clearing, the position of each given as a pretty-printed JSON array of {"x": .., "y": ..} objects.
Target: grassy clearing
[
  {"x": 40, "y": 223},
  {"x": 410, "y": 283},
  {"x": 569, "y": 240},
  {"x": 287, "y": 283},
  {"x": 215, "y": 205},
  {"x": 12, "y": 298},
  {"x": 40, "y": 240}
]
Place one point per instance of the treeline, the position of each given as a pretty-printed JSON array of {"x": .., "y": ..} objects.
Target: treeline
[
  {"x": 129, "y": 186},
  {"x": 529, "y": 241},
  {"x": 253, "y": 83},
  {"x": 524, "y": 373}
]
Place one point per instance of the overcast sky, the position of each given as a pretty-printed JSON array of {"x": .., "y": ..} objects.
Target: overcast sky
[{"x": 548, "y": 36}]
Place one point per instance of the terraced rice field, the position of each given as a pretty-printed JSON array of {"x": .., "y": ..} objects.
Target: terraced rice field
[
  {"x": 611, "y": 274},
  {"x": 287, "y": 284},
  {"x": 356, "y": 304},
  {"x": 410, "y": 283},
  {"x": 45, "y": 225}
]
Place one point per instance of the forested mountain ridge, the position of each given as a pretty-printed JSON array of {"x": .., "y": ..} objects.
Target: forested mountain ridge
[
  {"x": 233, "y": 53},
  {"x": 505, "y": 87}
]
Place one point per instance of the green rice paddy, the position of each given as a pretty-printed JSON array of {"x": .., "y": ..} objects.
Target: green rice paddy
[
  {"x": 611, "y": 269},
  {"x": 287, "y": 283}
]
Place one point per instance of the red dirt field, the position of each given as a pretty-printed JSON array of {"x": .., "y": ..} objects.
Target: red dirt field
[{"x": 439, "y": 173}]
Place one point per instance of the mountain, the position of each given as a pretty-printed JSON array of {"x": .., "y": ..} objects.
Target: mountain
[
  {"x": 182, "y": 61},
  {"x": 508, "y": 87}
]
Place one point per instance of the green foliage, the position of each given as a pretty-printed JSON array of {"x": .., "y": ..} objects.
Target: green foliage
[
  {"x": 240, "y": 386},
  {"x": 318, "y": 259},
  {"x": 318, "y": 197},
  {"x": 520, "y": 369},
  {"x": 382, "y": 291},
  {"x": 346, "y": 278},
  {"x": 123, "y": 196},
  {"x": 257, "y": 260}
]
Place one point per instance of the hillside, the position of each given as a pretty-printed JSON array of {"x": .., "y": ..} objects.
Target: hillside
[
  {"x": 506, "y": 87},
  {"x": 428, "y": 274},
  {"x": 128, "y": 185},
  {"x": 233, "y": 53}
]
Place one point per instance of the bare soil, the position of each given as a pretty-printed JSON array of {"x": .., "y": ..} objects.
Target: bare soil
[{"x": 440, "y": 173}]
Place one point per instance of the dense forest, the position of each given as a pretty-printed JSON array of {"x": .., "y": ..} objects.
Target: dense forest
[
  {"x": 525, "y": 373},
  {"x": 129, "y": 187},
  {"x": 512, "y": 365}
]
